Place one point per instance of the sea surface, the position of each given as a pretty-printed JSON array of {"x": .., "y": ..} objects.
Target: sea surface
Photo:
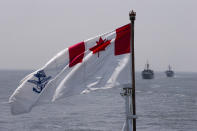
[{"x": 162, "y": 104}]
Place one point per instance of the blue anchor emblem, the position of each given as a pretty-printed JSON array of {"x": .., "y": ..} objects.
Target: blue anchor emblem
[{"x": 42, "y": 81}]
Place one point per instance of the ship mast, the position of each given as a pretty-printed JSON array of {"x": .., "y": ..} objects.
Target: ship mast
[
  {"x": 147, "y": 65},
  {"x": 169, "y": 67}
]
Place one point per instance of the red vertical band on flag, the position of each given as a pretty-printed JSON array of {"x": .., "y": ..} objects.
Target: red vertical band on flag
[
  {"x": 76, "y": 53},
  {"x": 122, "y": 42}
]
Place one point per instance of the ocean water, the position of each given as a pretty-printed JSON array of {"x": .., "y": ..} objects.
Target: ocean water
[{"x": 162, "y": 104}]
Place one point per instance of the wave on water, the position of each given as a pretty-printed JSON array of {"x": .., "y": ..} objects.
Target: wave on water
[
  {"x": 149, "y": 92},
  {"x": 155, "y": 86},
  {"x": 5, "y": 103},
  {"x": 82, "y": 130},
  {"x": 180, "y": 95}
]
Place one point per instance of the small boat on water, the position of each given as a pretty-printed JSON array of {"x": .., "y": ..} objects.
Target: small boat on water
[
  {"x": 169, "y": 72},
  {"x": 147, "y": 73}
]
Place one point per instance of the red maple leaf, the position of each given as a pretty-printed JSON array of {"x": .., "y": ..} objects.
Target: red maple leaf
[{"x": 101, "y": 45}]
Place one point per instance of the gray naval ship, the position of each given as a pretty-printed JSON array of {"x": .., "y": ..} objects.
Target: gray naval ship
[
  {"x": 169, "y": 72},
  {"x": 147, "y": 73}
]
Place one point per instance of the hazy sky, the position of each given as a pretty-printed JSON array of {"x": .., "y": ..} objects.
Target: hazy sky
[{"x": 33, "y": 31}]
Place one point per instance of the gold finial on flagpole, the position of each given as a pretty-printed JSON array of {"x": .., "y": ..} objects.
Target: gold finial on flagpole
[{"x": 132, "y": 15}]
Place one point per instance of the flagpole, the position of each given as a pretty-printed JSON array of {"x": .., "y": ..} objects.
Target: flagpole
[{"x": 132, "y": 15}]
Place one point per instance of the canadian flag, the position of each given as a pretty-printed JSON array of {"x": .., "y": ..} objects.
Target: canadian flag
[{"x": 101, "y": 62}]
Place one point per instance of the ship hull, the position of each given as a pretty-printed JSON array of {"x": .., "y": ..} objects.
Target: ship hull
[
  {"x": 169, "y": 73},
  {"x": 147, "y": 74}
]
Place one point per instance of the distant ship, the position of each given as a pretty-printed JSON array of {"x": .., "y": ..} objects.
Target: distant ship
[
  {"x": 147, "y": 73},
  {"x": 169, "y": 72}
]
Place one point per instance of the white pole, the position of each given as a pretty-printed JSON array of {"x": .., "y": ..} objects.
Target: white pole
[{"x": 127, "y": 94}]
